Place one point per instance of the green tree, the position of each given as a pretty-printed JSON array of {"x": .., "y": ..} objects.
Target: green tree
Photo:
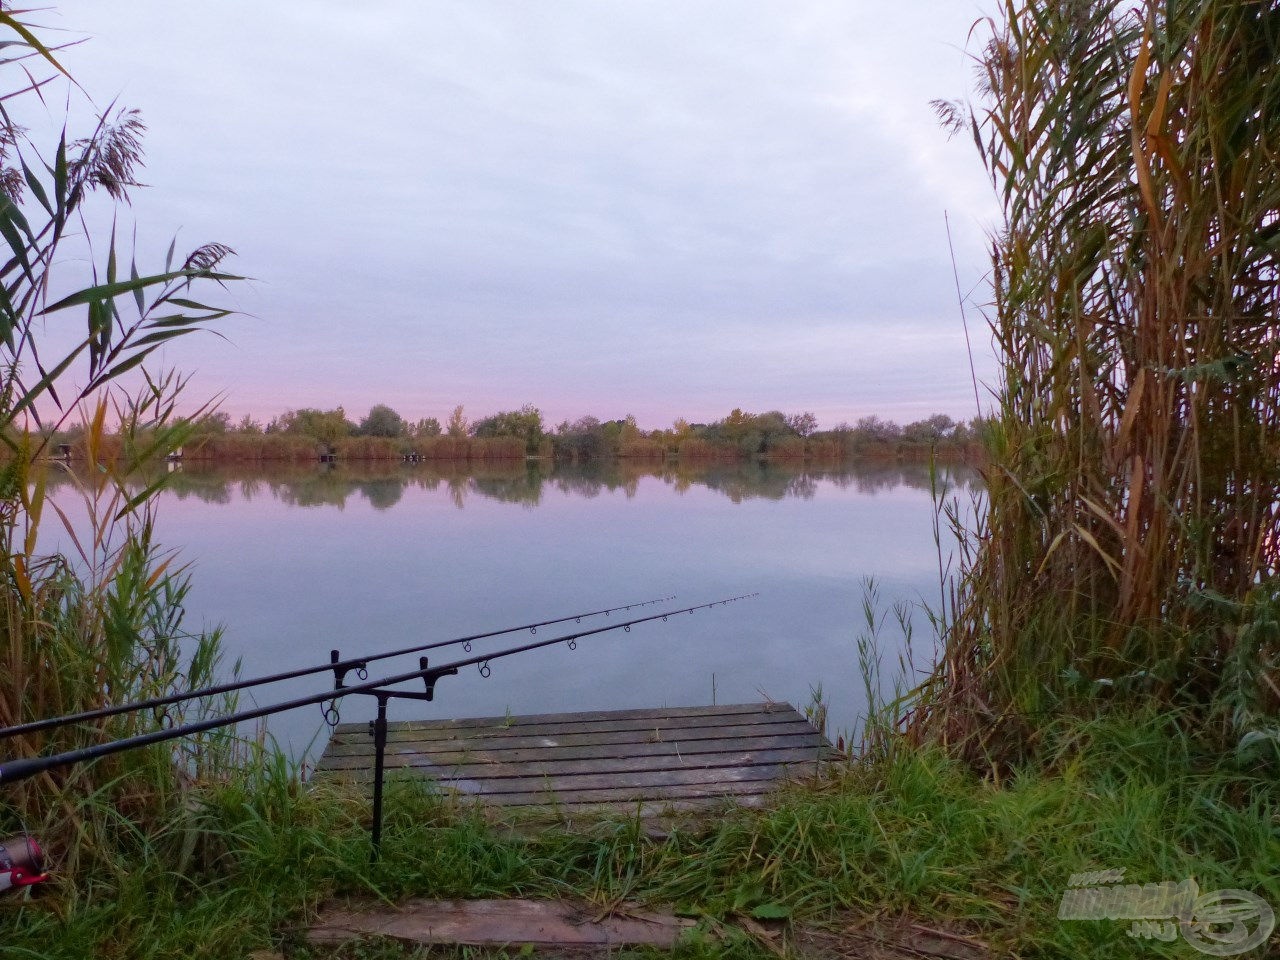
[
  {"x": 874, "y": 430},
  {"x": 930, "y": 431},
  {"x": 583, "y": 439},
  {"x": 803, "y": 423},
  {"x": 324, "y": 426},
  {"x": 524, "y": 424},
  {"x": 215, "y": 423},
  {"x": 458, "y": 425},
  {"x": 426, "y": 427},
  {"x": 382, "y": 421}
]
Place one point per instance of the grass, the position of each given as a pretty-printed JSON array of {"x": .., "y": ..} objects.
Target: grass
[{"x": 914, "y": 833}]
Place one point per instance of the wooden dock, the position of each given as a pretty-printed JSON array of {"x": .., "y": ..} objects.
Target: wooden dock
[{"x": 671, "y": 757}]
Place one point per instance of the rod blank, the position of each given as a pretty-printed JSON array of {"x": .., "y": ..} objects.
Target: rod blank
[
  {"x": 12, "y": 771},
  {"x": 335, "y": 665}
]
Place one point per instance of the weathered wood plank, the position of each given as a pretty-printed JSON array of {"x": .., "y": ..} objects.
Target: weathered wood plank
[
  {"x": 498, "y": 741},
  {"x": 604, "y": 753},
  {"x": 640, "y": 780},
  {"x": 549, "y": 767},
  {"x": 655, "y": 794},
  {"x": 354, "y": 755},
  {"x": 545, "y": 719},
  {"x": 559, "y": 924},
  {"x": 744, "y": 791},
  {"x": 644, "y": 809},
  {"x": 447, "y": 729}
]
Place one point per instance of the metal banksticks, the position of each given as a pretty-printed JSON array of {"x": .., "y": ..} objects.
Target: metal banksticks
[{"x": 339, "y": 667}]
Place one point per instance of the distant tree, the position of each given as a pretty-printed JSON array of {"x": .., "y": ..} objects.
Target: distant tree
[
  {"x": 735, "y": 426},
  {"x": 249, "y": 425},
  {"x": 457, "y": 423},
  {"x": 525, "y": 423},
  {"x": 427, "y": 427},
  {"x": 803, "y": 423},
  {"x": 875, "y": 430},
  {"x": 213, "y": 423},
  {"x": 630, "y": 429},
  {"x": 611, "y": 431},
  {"x": 583, "y": 439},
  {"x": 929, "y": 431},
  {"x": 750, "y": 433},
  {"x": 382, "y": 421},
  {"x": 325, "y": 426}
]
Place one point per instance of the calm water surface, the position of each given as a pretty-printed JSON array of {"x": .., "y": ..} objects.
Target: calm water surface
[{"x": 294, "y": 562}]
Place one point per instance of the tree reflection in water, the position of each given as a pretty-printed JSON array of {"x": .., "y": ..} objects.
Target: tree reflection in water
[{"x": 383, "y": 484}]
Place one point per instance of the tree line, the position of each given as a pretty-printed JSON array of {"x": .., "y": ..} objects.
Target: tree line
[{"x": 384, "y": 433}]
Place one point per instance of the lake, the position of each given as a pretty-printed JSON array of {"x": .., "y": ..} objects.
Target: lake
[{"x": 295, "y": 561}]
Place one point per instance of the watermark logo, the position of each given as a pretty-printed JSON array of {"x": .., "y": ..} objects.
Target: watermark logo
[{"x": 1222, "y": 923}]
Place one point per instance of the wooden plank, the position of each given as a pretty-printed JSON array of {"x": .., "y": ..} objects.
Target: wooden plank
[
  {"x": 543, "y": 719},
  {"x": 549, "y": 767},
  {"x": 640, "y": 779},
  {"x": 493, "y": 741},
  {"x": 644, "y": 809},
  {"x": 624, "y": 797},
  {"x": 355, "y": 755},
  {"x": 672, "y": 792},
  {"x": 686, "y": 753},
  {"x": 531, "y": 736},
  {"x": 448, "y": 729},
  {"x": 557, "y": 924},
  {"x": 426, "y": 731}
]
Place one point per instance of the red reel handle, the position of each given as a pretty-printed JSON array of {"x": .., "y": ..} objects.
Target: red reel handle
[
  {"x": 21, "y": 863},
  {"x": 18, "y": 878}
]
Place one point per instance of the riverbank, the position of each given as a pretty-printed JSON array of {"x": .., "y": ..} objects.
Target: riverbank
[{"x": 906, "y": 834}]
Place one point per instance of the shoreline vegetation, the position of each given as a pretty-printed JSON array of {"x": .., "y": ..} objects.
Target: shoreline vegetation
[
  {"x": 300, "y": 436},
  {"x": 1107, "y": 691}
]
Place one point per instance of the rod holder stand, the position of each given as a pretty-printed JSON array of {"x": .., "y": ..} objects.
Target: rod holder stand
[
  {"x": 340, "y": 670},
  {"x": 378, "y": 730}
]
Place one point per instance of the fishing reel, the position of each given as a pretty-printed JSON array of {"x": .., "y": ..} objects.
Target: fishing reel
[{"x": 21, "y": 863}]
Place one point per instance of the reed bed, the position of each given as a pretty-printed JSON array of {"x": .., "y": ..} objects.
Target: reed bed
[
  {"x": 1128, "y": 546},
  {"x": 298, "y": 448},
  {"x": 100, "y": 622}
]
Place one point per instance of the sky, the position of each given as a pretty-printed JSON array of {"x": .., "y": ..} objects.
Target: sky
[{"x": 598, "y": 207}]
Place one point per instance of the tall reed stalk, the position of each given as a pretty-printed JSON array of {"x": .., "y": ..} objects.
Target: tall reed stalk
[{"x": 1128, "y": 547}]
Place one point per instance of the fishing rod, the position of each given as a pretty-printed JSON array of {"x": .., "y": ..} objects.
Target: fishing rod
[
  {"x": 12, "y": 771},
  {"x": 26, "y": 865},
  {"x": 339, "y": 667}
]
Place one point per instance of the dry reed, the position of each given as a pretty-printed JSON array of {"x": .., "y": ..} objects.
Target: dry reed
[{"x": 1128, "y": 546}]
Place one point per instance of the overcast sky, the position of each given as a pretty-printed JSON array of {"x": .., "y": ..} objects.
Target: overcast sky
[{"x": 650, "y": 207}]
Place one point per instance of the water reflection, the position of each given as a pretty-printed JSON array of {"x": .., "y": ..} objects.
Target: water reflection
[
  {"x": 383, "y": 484},
  {"x": 295, "y": 561}
]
